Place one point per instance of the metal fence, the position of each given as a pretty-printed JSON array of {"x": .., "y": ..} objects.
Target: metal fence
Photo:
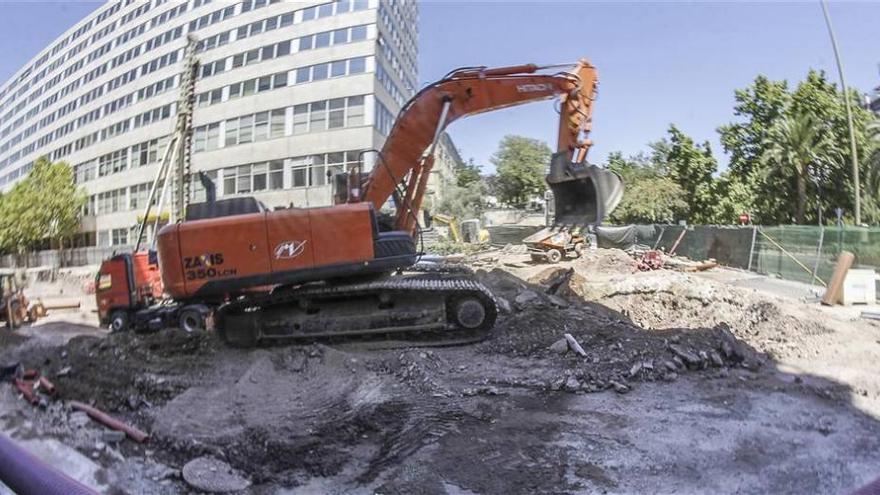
[
  {"x": 791, "y": 252},
  {"x": 53, "y": 258}
]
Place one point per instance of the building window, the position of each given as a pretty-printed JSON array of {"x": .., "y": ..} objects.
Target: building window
[
  {"x": 113, "y": 163},
  {"x": 119, "y": 237}
]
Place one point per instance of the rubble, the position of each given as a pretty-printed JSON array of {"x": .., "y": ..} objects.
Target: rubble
[
  {"x": 282, "y": 417},
  {"x": 574, "y": 345}
]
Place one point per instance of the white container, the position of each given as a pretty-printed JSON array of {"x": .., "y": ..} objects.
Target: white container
[{"x": 859, "y": 287}]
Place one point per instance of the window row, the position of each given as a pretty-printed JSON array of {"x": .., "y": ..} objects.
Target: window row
[
  {"x": 159, "y": 40},
  {"x": 337, "y": 68},
  {"x": 139, "y": 155},
  {"x": 305, "y": 118},
  {"x": 114, "y": 83},
  {"x": 384, "y": 119},
  {"x": 275, "y": 50},
  {"x": 297, "y": 172},
  {"x": 279, "y": 21}
]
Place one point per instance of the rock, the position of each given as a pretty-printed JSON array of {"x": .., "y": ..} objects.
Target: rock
[
  {"x": 572, "y": 384},
  {"x": 298, "y": 362},
  {"x": 687, "y": 357},
  {"x": 648, "y": 365},
  {"x": 730, "y": 347},
  {"x": 716, "y": 360},
  {"x": 557, "y": 301},
  {"x": 635, "y": 369},
  {"x": 558, "y": 384},
  {"x": 560, "y": 346},
  {"x": 211, "y": 475},
  {"x": 574, "y": 345},
  {"x": 504, "y": 305},
  {"x": 526, "y": 298},
  {"x": 79, "y": 419},
  {"x": 671, "y": 366},
  {"x": 671, "y": 376},
  {"x": 488, "y": 390},
  {"x": 704, "y": 359},
  {"x": 112, "y": 436},
  {"x": 64, "y": 371},
  {"x": 619, "y": 387},
  {"x": 679, "y": 364}
]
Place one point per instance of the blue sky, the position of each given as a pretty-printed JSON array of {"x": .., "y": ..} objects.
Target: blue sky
[{"x": 659, "y": 62}]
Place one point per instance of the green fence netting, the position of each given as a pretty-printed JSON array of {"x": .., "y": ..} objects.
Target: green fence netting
[{"x": 791, "y": 252}]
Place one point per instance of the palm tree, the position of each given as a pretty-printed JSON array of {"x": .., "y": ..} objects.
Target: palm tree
[
  {"x": 794, "y": 143},
  {"x": 871, "y": 183}
]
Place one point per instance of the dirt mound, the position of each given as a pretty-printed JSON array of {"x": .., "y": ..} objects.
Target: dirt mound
[
  {"x": 674, "y": 300},
  {"x": 619, "y": 350},
  {"x": 604, "y": 262}
]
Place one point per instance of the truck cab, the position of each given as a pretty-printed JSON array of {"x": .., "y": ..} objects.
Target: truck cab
[{"x": 125, "y": 284}]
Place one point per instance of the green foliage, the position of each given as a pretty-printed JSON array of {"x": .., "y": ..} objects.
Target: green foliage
[
  {"x": 44, "y": 205},
  {"x": 871, "y": 176},
  {"x": 762, "y": 149},
  {"x": 794, "y": 146},
  {"x": 520, "y": 163},
  {"x": 467, "y": 173},
  {"x": 463, "y": 202},
  {"x": 651, "y": 196},
  {"x": 692, "y": 166}
]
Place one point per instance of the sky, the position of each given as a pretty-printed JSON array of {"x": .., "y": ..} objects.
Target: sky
[{"x": 659, "y": 62}]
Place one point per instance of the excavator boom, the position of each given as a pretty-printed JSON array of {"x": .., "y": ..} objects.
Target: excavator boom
[{"x": 471, "y": 91}]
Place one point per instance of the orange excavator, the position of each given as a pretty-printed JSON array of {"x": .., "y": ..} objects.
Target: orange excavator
[{"x": 346, "y": 269}]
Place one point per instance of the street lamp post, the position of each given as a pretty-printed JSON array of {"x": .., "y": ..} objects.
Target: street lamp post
[{"x": 849, "y": 119}]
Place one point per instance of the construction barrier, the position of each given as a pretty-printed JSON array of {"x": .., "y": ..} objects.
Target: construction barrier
[{"x": 791, "y": 252}]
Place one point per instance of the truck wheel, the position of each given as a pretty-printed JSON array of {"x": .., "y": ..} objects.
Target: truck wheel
[
  {"x": 554, "y": 255},
  {"x": 191, "y": 320},
  {"x": 578, "y": 249},
  {"x": 119, "y": 321}
]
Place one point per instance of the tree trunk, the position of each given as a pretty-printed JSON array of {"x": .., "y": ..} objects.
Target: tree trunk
[{"x": 802, "y": 198}]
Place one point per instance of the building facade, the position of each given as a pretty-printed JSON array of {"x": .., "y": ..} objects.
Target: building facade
[{"x": 287, "y": 93}]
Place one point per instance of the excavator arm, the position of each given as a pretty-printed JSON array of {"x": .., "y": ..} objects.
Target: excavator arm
[{"x": 407, "y": 157}]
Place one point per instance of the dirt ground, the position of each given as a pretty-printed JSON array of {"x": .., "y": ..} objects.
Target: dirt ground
[{"x": 689, "y": 384}]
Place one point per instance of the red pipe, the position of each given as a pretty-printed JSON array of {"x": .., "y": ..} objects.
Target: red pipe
[{"x": 110, "y": 422}]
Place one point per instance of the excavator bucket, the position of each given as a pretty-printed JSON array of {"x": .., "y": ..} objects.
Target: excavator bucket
[{"x": 583, "y": 194}]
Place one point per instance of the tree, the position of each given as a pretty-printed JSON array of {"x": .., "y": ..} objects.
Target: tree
[
  {"x": 651, "y": 196},
  {"x": 871, "y": 177},
  {"x": 464, "y": 202},
  {"x": 467, "y": 173},
  {"x": 794, "y": 145},
  {"x": 62, "y": 210},
  {"x": 691, "y": 166},
  {"x": 520, "y": 163},
  {"x": 774, "y": 196},
  {"x": 44, "y": 205}
]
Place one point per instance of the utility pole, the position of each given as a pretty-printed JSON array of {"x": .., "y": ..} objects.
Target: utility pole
[{"x": 849, "y": 118}]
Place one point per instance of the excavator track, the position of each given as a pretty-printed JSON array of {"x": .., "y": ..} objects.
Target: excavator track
[{"x": 402, "y": 310}]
